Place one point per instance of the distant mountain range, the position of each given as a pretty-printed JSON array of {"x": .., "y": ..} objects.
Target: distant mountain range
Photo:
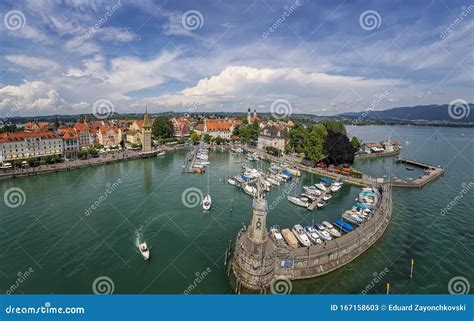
[{"x": 433, "y": 113}]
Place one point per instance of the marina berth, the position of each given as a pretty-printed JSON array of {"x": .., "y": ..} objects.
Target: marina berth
[{"x": 320, "y": 186}]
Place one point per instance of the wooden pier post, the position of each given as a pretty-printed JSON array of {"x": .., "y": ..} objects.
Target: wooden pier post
[
  {"x": 388, "y": 288},
  {"x": 412, "y": 263}
]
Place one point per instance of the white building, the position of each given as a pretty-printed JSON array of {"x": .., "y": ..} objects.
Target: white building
[
  {"x": 272, "y": 135},
  {"x": 15, "y": 146}
]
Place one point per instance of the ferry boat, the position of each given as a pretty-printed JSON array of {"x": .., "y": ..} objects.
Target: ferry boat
[
  {"x": 346, "y": 227},
  {"x": 312, "y": 235},
  {"x": 144, "y": 250},
  {"x": 298, "y": 231},
  {"x": 321, "y": 231},
  {"x": 298, "y": 201},
  {"x": 331, "y": 230}
]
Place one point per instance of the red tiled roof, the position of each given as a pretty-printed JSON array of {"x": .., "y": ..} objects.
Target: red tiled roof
[
  {"x": 17, "y": 137},
  {"x": 217, "y": 125}
]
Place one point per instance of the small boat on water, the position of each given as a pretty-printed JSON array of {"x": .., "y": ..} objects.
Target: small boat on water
[
  {"x": 232, "y": 181},
  {"x": 312, "y": 190},
  {"x": 335, "y": 188},
  {"x": 206, "y": 202},
  {"x": 249, "y": 190},
  {"x": 320, "y": 186},
  {"x": 161, "y": 153},
  {"x": 312, "y": 235},
  {"x": 275, "y": 233},
  {"x": 321, "y": 204},
  {"x": 331, "y": 230},
  {"x": 144, "y": 250},
  {"x": 309, "y": 196},
  {"x": 298, "y": 231},
  {"x": 298, "y": 201},
  {"x": 321, "y": 231},
  {"x": 409, "y": 168},
  {"x": 327, "y": 197},
  {"x": 273, "y": 181},
  {"x": 290, "y": 238},
  {"x": 346, "y": 227},
  {"x": 353, "y": 218}
]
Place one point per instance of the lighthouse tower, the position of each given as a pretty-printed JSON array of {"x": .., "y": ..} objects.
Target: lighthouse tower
[{"x": 255, "y": 252}]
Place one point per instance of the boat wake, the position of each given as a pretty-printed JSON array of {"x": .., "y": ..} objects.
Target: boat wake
[{"x": 138, "y": 236}]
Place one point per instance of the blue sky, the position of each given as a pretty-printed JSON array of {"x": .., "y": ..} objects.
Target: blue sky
[{"x": 322, "y": 57}]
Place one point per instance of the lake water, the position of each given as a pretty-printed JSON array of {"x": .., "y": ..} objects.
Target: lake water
[{"x": 65, "y": 245}]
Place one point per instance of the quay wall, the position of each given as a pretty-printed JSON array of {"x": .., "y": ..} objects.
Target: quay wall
[{"x": 256, "y": 273}]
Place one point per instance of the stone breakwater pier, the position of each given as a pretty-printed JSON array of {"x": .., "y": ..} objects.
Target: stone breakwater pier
[{"x": 259, "y": 259}]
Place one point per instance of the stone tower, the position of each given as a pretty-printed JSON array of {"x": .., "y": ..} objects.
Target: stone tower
[
  {"x": 255, "y": 252},
  {"x": 146, "y": 132}
]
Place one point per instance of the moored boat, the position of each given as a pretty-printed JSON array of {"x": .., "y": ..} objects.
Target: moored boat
[
  {"x": 346, "y": 227},
  {"x": 297, "y": 201},
  {"x": 206, "y": 202},
  {"x": 289, "y": 238},
  {"x": 331, "y": 230},
  {"x": 321, "y": 231},
  {"x": 312, "y": 235},
  {"x": 320, "y": 186},
  {"x": 298, "y": 231}
]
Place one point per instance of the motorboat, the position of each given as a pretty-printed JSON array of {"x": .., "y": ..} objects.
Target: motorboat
[
  {"x": 289, "y": 238},
  {"x": 327, "y": 197},
  {"x": 312, "y": 190},
  {"x": 250, "y": 190},
  {"x": 273, "y": 181},
  {"x": 312, "y": 235},
  {"x": 206, "y": 202},
  {"x": 298, "y": 231},
  {"x": 321, "y": 204},
  {"x": 161, "y": 153},
  {"x": 232, "y": 181},
  {"x": 297, "y": 201},
  {"x": 311, "y": 197},
  {"x": 275, "y": 233},
  {"x": 294, "y": 171},
  {"x": 331, "y": 230},
  {"x": 346, "y": 227},
  {"x": 335, "y": 188},
  {"x": 144, "y": 250},
  {"x": 321, "y": 231},
  {"x": 320, "y": 186},
  {"x": 353, "y": 218}
]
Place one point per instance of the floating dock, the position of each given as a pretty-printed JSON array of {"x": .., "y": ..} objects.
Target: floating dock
[{"x": 313, "y": 205}]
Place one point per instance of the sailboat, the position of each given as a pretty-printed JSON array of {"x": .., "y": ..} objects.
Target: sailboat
[{"x": 207, "y": 201}]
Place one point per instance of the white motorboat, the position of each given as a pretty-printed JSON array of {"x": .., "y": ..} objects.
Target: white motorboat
[
  {"x": 298, "y": 231},
  {"x": 327, "y": 197},
  {"x": 298, "y": 201},
  {"x": 322, "y": 232},
  {"x": 320, "y": 186},
  {"x": 321, "y": 204},
  {"x": 232, "y": 181},
  {"x": 161, "y": 153},
  {"x": 312, "y": 190},
  {"x": 206, "y": 202},
  {"x": 250, "y": 190},
  {"x": 275, "y": 232},
  {"x": 353, "y": 218},
  {"x": 310, "y": 196},
  {"x": 312, "y": 235},
  {"x": 331, "y": 230},
  {"x": 273, "y": 181},
  {"x": 144, "y": 250},
  {"x": 335, "y": 188}
]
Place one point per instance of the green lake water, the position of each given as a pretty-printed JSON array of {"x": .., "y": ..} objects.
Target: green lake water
[{"x": 67, "y": 250}]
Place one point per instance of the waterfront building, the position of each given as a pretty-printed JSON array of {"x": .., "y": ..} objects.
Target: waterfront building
[
  {"x": 22, "y": 145},
  {"x": 222, "y": 128},
  {"x": 146, "y": 133},
  {"x": 134, "y": 133},
  {"x": 70, "y": 142},
  {"x": 86, "y": 136},
  {"x": 272, "y": 135},
  {"x": 109, "y": 136}
]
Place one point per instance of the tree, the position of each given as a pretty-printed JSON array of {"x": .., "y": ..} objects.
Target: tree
[
  {"x": 249, "y": 134},
  {"x": 218, "y": 140},
  {"x": 162, "y": 127},
  {"x": 338, "y": 149},
  {"x": 314, "y": 143},
  {"x": 195, "y": 137},
  {"x": 207, "y": 138},
  {"x": 296, "y": 139},
  {"x": 335, "y": 126},
  {"x": 355, "y": 143},
  {"x": 273, "y": 150},
  {"x": 56, "y": 122}
]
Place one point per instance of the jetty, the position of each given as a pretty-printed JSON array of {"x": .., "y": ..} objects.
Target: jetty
[
  {"x": 430, "y": 174},
  {"x": 313, "y": 205}
]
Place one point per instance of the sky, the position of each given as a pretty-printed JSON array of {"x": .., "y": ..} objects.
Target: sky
[{"x": 300, "y": 56}]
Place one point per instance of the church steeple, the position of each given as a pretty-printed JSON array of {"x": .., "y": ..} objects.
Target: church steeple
[{"x": 147, "y": 119}]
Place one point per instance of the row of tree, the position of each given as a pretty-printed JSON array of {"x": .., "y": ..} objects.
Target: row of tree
[{"x": 326, "y": 141}]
